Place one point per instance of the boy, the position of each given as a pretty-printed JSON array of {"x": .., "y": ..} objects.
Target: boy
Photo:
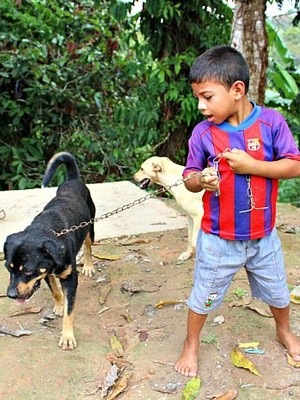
[{"x": 242, "y": 150}]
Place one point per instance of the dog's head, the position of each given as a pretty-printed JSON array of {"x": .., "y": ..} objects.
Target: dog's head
[
  {"x": 29, "y": 260},
  {"x": 149, "y": 172}
]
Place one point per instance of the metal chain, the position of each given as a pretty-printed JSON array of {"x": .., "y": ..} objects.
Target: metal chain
[
  {"x": 251, "y": 199},
  {"x": 120, "y": 209}
]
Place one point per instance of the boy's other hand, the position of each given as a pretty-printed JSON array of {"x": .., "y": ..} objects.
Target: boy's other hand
[{"x": 239, "y": 161}]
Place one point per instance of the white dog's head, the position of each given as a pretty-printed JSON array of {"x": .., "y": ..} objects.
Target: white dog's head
[{"x": 150, "y": 171}]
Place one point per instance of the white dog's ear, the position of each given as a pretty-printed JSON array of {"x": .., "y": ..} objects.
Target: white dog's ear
[{"x": 156, "y": 167}]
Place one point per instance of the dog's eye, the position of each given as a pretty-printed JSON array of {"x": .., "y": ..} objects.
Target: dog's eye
[{"x": 28, "y": 273}]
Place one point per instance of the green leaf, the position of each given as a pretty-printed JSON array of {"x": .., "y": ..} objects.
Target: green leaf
[
  {"x": 289, "y": 85},
  {"x": 191, "y": 389}
]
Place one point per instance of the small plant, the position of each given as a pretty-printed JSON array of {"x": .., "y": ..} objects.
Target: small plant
[
  {"x": 210, "y": 339},
  {"x": 240, "y": 293}
]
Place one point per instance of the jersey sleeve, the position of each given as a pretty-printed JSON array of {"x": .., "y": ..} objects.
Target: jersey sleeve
[
  {"x": 196, "y": 160},
  {"x": 283, "y": 141}
]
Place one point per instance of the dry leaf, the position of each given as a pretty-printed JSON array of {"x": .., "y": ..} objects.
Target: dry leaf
[
  {"x": 239, "y": 360},
  {"x": 104, "y": 292},
  {"x": 120, "y": 385},
  {"x": 231, "y": 395},
  {"x": 163, "y": 303},
  {"x": 116, "y": 346},
  {"x": 132, "y": 288},
  {"x": 252, "y": 345},
  {"x": 25, "y": 311},
  {"x": 292, "y": 362},
  {"x": 107, "y": 257}
]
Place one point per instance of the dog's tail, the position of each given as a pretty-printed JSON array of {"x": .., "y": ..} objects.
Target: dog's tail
[{"x": 61, "y": 158}]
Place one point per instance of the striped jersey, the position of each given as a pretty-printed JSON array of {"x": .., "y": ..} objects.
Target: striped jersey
[{"x": 264, "y": 135}]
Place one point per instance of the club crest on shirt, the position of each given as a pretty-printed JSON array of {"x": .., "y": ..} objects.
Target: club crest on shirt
[{"x": 253, "y": 144}]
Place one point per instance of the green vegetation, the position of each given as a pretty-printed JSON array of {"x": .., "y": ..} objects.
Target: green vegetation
[{"x": 110, "y": 87}]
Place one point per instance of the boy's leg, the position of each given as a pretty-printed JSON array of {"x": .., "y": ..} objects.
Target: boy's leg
[
  {"x": 284, "y": 334},
  {"x": 187, "y": 364}
]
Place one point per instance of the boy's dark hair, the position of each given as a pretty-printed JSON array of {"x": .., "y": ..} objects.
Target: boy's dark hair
[{"x": 221, "y": 64}]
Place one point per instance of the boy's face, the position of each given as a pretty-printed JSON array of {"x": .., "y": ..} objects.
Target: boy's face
[{"x": 216, "y": 102}]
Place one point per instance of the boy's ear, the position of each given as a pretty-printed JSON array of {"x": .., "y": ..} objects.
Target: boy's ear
[{"x": 238, "y": 89}]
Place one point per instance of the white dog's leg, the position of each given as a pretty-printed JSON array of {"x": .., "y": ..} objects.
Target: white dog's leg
[{"x": 190, "y": 247}]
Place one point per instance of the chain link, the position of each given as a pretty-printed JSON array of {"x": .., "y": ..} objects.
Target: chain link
[
  {"x": 251, "y": 199},
  {"x": 127, "y": 206}
]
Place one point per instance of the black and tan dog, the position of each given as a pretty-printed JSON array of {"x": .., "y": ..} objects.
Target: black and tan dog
[{"x": 37, "y": 253}]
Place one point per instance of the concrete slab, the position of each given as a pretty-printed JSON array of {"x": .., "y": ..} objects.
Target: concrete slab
[{"x": 153, "y": 215}]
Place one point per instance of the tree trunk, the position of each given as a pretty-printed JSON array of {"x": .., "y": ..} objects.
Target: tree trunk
[{"x": 249, "y": 36}]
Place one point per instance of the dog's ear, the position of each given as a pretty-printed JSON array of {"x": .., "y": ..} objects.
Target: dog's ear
[
  {"x": 10, "y": 248},
  {"x": 156, "y": 167},
  {"x": 55, "y": 250}
]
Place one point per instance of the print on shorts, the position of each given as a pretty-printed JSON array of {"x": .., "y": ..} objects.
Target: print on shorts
[{"x": 210, "y": 299}]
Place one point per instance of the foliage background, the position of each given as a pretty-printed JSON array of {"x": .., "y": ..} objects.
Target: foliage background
[{"x": 110, "y": 87}]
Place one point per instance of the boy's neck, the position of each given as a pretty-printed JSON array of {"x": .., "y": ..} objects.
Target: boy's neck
[{"x": 243, "y": 109}]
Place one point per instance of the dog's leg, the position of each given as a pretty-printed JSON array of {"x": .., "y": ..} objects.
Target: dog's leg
[
  {"x": 190, "y": 247},
  {"x": 69, "y": 285},
  {"x": 88, "y": 269},
  {"x": 57, "y": 295}
]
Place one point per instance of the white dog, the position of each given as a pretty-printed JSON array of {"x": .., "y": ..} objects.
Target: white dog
[{"x": 164, "y": 172}]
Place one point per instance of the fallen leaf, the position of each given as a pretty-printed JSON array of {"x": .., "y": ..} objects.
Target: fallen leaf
[
  {"x": 191, "y": 389},
  {"x": 107, "y": 257},
  {"x": 132, "y": 288},
  {"x": 120, "y": 385},
  {"x": 239, "y": 360},
  {"x": 104, "y": 292},
  {"x": 116, "y": 346},
  {"x": 110, "y": 380},
  {"x": 292, "y": 362},
  {"x": 25, "y": 311},
  {"x": 295, "y": 295},
  {"x": 143, "y": 336},
  {"x": 163, "y": 303},
  {"x": 231, "y": 395},
  {"x": 135, "y": 241},
  {"x": 246, "y": 345}
]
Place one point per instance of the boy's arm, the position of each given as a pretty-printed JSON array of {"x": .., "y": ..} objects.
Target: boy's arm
[{"x": 242, "y": 163}]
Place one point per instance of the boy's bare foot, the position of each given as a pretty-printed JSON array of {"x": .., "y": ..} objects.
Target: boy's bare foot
[
  {"x": 292, "y": 343},
  {"x": 187, "y": 364}
]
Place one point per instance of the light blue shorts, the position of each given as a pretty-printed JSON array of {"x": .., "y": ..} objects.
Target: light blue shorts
[{"x": 218, "y": 260}]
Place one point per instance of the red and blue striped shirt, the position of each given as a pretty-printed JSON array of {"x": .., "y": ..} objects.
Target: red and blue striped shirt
[{"x": 265, "y": 135}]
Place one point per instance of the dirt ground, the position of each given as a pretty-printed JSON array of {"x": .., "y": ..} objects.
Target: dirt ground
[{"x": 117, "y": 308}]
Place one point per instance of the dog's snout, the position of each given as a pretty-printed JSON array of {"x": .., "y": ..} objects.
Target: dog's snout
[{"x": 12, "y": 292}]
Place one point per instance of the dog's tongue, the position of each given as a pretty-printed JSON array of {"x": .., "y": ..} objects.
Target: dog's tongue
[
  {"x": 144, "y": 183},
  {"x": 21, "y": 301}
]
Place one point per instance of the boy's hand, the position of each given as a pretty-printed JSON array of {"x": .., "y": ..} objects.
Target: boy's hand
[
  {"x": 209, "y": 179},
  {"x": 239, "y": 161}
]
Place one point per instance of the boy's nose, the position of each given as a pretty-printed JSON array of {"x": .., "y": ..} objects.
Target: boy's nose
[{"x": 201, "y": 105}]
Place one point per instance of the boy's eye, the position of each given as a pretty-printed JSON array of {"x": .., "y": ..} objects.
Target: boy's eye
[{"x": 208, "y": 97}]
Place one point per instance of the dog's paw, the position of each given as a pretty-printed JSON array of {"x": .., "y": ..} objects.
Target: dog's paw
[
  {"x": 88, "y": 271},
  {"x": 186, "y": 255},
  {"x": 58, "y": 310},
  {"x": 67, "y": 341}
]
